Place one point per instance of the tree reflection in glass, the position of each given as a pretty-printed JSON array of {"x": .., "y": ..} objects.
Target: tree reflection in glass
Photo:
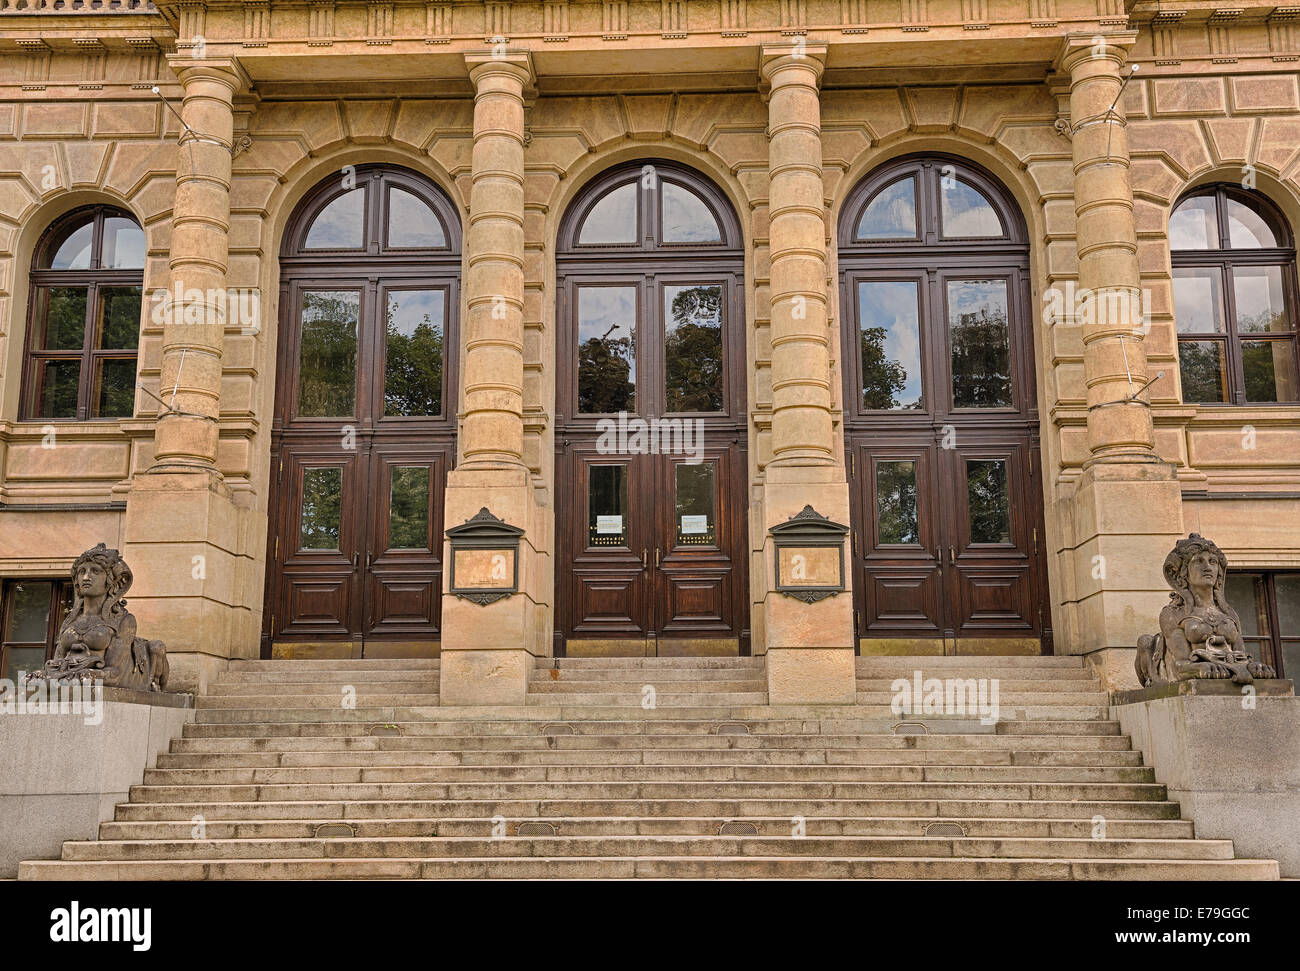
[
  {"x": 987, "y": 502},
  {"x": 979, "y": 335},
  {"x": 896, "y": 514},
  {"x": 606, "y": 350},
  {"x": 890, "y": 332},
  {"x": 322, "y": 508},
  {"x": 328, "y": 353},
  {"x": 1204, "y": 371},
  {"x": 408, "y": 508},
  {"x": 693, "y": 348},
  {"x": 413, "y": 367}
]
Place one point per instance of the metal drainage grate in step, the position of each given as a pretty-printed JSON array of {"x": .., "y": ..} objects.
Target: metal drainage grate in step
[
  {"x": 536, "y": 829},
  {"x": 732, "y": 728},
  {"x": 334, "y": 831},
  {"x": 734, "y": 828},
  {"x": 945, "y": 829},
  {"x": 911, "y": 728},
  {"x": 557, "y": 729}
]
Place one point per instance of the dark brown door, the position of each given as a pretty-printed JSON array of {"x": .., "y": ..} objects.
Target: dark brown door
[
  {"x": 940, "y": 416},
  {"x": 651, "y": 460},
  {"x": 365, "y": 430}
]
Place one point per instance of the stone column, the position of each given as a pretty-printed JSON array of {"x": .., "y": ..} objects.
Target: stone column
[
  {"x": 1128, "y": 505},
  {"x": 184, "y": 532},
  {"x": 809, "y": 646},
  {"x": 488, "y": 651}
]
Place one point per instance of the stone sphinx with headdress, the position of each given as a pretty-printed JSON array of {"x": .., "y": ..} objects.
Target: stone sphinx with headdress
[
  {"x": 98, "y": 637},
  {"x": 1200, "y": 633}
]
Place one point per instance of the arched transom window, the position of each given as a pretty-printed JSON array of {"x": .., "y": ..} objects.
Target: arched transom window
[
  {"x": 84, "y": 318},
  {"x": 1234, "y": 280}
]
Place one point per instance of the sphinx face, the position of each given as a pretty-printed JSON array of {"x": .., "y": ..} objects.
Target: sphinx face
[
  {"x": 1203, "y": 572},
  {"x": 92, "y": 580}
]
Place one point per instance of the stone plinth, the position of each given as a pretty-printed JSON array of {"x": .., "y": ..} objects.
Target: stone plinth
[
  {"x": 1232, "y": 761},
  {"x": 62, "y": 774}
]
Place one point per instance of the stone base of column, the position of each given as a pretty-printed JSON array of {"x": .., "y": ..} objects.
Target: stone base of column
[
  {"x": 1127, "y": 517},
  {"x": 489, "y": 650},
  {"x": 809, "y": 647},
  {"x": 182, "y": 539}
]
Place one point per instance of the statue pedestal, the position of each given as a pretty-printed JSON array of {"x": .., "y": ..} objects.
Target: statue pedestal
[
  {"x": 1232, "y": 761},
  {"x": 62, "y": 772}
]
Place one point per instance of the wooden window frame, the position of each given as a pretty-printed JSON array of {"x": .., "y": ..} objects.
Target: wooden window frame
[
  {"x": 1225, "y": 258},
  {"x": 60, "y": 588},
  {"x": 94, "y": 279},
  {"x": 1271, "y": 633}
]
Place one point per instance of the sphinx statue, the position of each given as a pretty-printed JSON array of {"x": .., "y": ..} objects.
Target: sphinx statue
[
  {"x": 98, "y": 637},
  {"x": 1200, "y": 633}
]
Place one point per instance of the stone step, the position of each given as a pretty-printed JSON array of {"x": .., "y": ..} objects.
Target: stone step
[
  {"x": 333, "y": 689},
  {"x": 332, "y": 701},
  {"x": 560, "y": 847},
  {"x": 336, "y": 664},
  {"x": 1018, "y": 685},
  {"x": 717, "y": 807},
  {"x": 653, "y": 826},
  {"x": 291, "y": 792},
  {"x": 298, "y": 675},
  {"x": 894, "y": 745},
  {"x": 489, "y": 726},
  {"x": 612, "y": 757},
  {"x": 634, "y": 687},
  {"x": 1006, "y": 700},
  {"x": 731, "y": 663},
  {"x": 908, "y": 663},
  {"x": 525, "y": 868},
  {"x": 614, "y": 671},
  {"x": 662, "y": 698},
  {"x": 702, "y": 774}
]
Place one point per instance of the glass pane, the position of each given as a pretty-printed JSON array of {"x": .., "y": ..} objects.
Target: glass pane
[
  {"x": 1269, "y": 368},
  {"x": 987, "y": 501},
  {"x": 891, "y": 214},
  {"x": 606, "y": 350},
  {"x": 613, "y": 218},
  {"x": 408, "y": 508},
  {"x": 1195, "y": 224},
  {"x": 1247, "y": 228},
  {"x": 20, "y": 659},
  {"x": 1290, "y": 660},
  {"x": 1286, "y": 586},
  {"x": 896, "y": 511},
  {"x": 981, "y": 343},
  {"x": 1245, "y": 593},
  {"x": 115, "y": 388},
  {"x": 413, "y": 367},
  {"x": 693, "y": 348},
  {"x": 967, "y": 212},
  {"x": 30, "y": 620},
  {"x": 65, "y": 319},
  {"x": 890, "y": 327},
  {"x": 322, "y": 508},
  {"x": 119, "y": 318},
  {"x": 328, "y": 355},
  {"x": 686, "y": 218},
  {"x": 58, "y": 385},
  {"x": 1198, "y": 301},
  {"x": 695, "y": 504},
  {"x": 123, "y": 244},
  {"x": 340, "y": 225},
  {"x": 607, "y": 505},
  {"x": 1204, "y": 370},
  {"x": 73, "y": 253},
  {"x": 411, "y": 223},
  {"x": 1260, "y": 306}
]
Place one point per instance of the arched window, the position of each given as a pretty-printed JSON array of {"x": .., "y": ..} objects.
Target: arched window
[
  {"x": 84, "y": 317},
  {"x": 1234, "y": 275}
]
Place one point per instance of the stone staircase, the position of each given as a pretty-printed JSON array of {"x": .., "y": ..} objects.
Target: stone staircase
[{"x": 645, "y": 767}]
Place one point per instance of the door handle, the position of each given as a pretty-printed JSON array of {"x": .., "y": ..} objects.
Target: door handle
[
  {"x": 354, "y": 562},
  {"x": 952, "y": 556},
  {"x": 656, "y": 557},
  {"x": 644, "y": 563},
  {"x": 367, "y": 561}
]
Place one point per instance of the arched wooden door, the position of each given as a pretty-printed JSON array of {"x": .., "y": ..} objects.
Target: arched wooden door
[
  {"x": 365, "y": 418},
  {"x": 651, "y": 463},
  {"x": 941, "y": 419}
]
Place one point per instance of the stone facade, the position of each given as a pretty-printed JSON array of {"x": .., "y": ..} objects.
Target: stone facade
[{"x": 511, "y": 108}]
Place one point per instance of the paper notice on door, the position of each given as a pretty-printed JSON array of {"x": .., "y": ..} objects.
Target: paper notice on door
[
  {"x": 609, "y": 524},
  {"x": 695, "y": 524}
]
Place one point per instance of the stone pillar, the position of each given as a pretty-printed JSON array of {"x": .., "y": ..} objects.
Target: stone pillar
[
  {"x": 488, "y": 650},
  {"x": 183, "y": 528},
  {"x": 1127, "y": 505},
  {"x": 809, "y": 646}
]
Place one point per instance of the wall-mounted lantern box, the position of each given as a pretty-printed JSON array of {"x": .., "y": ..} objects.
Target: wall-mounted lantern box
[
  {"x": 484, "y": 558},
  {"x": 808, "y": 550}
]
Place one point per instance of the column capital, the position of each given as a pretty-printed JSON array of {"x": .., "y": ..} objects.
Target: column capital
[
  {"x": 512, "y": 64},
  {"x": 224, "y": 70},
  {"x": 775, "y": 58},
  {"x": 1094, "y": 46}
]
